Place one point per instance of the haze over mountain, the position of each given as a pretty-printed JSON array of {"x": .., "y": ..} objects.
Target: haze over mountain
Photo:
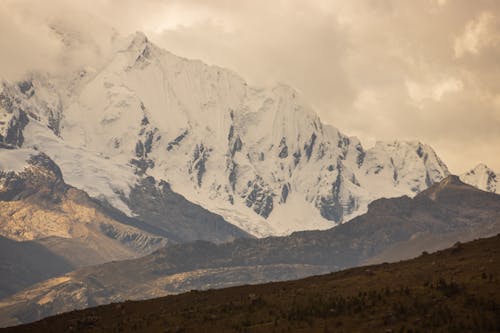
[{"x": 392, "y": 229}]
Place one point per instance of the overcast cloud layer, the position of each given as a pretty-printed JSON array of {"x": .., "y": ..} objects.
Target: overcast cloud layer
[{"x": 377, "y": 69}]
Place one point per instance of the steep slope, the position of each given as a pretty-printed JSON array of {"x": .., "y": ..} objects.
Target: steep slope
[
  {"x": 158, "y": 207},
  {"x": 261, "y": 158},
  {"x": 450, "y": 209},
  {"x": 482, "y": 177},
  {"x": 36, "y": 203},
  {"x": 452, "y": 290},
  {"x": 49, "y": 228}
]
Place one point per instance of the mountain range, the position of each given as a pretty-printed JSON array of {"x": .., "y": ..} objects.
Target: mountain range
[
  {"x": 152, "y": 174},
  {"x": 260, "y": 158},
  {"x": 391, "y": 230}
]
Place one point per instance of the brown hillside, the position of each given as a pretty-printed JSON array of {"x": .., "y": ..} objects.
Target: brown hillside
[{"x": 455, "y": 290}]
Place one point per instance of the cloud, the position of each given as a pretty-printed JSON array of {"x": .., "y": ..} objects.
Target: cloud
[
  {"x": 420, "y": 92},
  {"x": 55, "y": 36},
  {"x": 382, "y": 69},
  {"x": 478, "y": 34},
  {"x": 26, "y": 42}
]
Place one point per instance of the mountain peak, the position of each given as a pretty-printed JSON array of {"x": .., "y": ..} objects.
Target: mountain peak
[
  {"x": 481, "y": 167},
  {"x": 482, "y": 177},
  {"x": 449, "y": 183},
  {"x": 35, "y": 174},
  {"x": 285, "y": 89},
  {"x": 139, "y": 38},
  {"x": 140, "y": 48},
  {"x": 250, "y": 154},
  {"x": 138, "y": 42}
]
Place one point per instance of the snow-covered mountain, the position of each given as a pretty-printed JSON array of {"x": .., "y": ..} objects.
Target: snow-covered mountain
[
  {"x": 483, "y": 178},
  {"x": 261, "y": 158}
]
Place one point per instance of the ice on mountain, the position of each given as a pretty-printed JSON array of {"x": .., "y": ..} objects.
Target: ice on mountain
[{"x": 262, "y": 158}]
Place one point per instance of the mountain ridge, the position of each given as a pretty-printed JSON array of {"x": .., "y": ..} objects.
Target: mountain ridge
[
  {"x": 440, "y": 291},
  {"x": 392, "y": 229},
  {"x": 482, "y": 177},
  {"x": 262, "y": 159}
]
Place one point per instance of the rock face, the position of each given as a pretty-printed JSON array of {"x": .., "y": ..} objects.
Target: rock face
[
  {"x": 41, "y": 180},
  {"x": 48, "y": 227},
  {"x": 395, "y": 228},
  {"x": 12, "y": 123},
  {"x": 36, "y": 203},
  {"x": 262, "y": 159},
  {"x": 157, "y": 206},
  {"x": 483, "y": 178},
  {"x": 21, "y": 102}
]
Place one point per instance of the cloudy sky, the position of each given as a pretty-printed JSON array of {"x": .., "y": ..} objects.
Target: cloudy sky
[{"x": 376, "y": 69}]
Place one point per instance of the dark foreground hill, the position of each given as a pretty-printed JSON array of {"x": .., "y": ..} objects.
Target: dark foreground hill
[{"x": 455, "y": 290}]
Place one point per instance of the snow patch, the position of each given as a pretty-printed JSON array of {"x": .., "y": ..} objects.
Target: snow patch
[{"x": 15, "y": 160}]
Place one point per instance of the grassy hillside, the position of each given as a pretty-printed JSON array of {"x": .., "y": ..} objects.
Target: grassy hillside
[{"x": 455, "y": 290}]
